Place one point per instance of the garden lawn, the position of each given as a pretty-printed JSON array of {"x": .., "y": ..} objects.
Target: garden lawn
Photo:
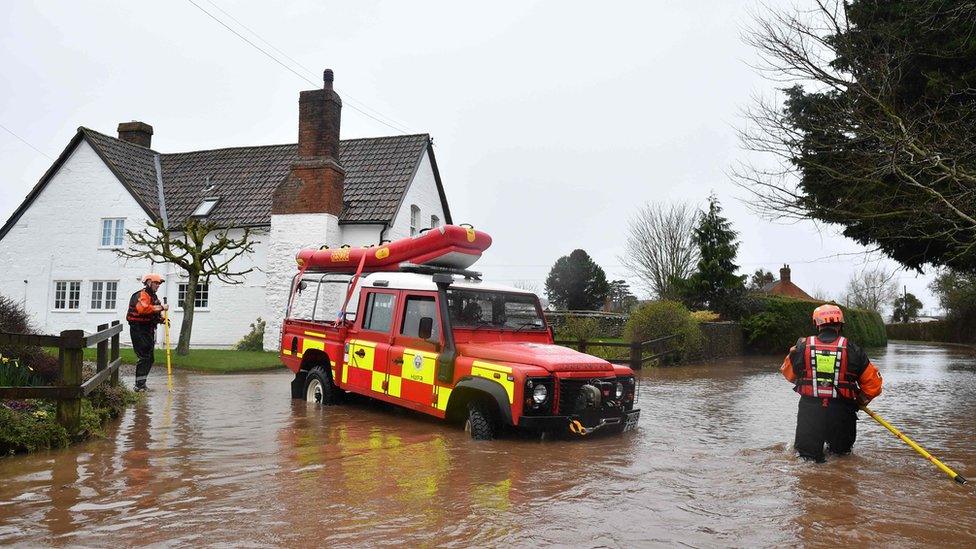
[{"x": 218, "y": 361}]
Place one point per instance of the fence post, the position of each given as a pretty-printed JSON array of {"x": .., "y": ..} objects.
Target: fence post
[
  {"x": 582, "y": 345},
  {"x": 69, "y": 410},
  {"x": 636, "y": 356},
  {"x": 101, "y": 351},
  {"x": 115, "y": 354}
]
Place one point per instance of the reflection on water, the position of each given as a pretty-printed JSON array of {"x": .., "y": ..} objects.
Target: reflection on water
[{"x": 231, "y": 459}]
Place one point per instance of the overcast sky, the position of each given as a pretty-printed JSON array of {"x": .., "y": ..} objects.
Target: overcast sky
[{"x": 552, "y": 121}]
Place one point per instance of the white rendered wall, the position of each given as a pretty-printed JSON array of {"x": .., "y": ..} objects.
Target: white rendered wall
[
  {"x": 361, "y": 235},
  {"x": 290, "y": 233},
  {"x": 423, "y": 193},
  {"x": 59, "y": 238}
]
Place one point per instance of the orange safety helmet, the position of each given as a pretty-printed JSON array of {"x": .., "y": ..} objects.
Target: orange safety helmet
[
  {"x": 152, "y": 277},
  {"x": 827, "y": 314}
]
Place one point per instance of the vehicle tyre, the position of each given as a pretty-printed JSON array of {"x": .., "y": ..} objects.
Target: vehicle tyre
[
  {"x": 319, "y": 388},
  {"x": 481, "y": 421}
]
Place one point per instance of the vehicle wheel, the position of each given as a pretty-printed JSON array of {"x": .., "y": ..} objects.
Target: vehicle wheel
[
  {"x": 319, "y": 388},
  {"x": 480, "y": 422}
]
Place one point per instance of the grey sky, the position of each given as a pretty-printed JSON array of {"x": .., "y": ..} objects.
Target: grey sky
[{"x": 552, "y": 121}]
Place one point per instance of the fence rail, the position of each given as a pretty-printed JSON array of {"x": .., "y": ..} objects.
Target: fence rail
[
  {"x": 641, "y": 352},
  {"x": 70, "y": 389}
]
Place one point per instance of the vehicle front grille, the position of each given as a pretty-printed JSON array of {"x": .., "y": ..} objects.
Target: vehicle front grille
[{"x": 569, "y": 392}]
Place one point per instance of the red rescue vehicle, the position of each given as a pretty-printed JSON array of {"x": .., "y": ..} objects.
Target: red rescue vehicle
[{"x": 407, "y": 323}]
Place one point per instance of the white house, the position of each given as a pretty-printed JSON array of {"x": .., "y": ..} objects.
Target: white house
[{"x": 57, "y": 250}]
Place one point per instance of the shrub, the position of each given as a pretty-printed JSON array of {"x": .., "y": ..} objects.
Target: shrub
[
  {"x": 656, "y": 319},
  {"x": 30, "y": 425},
  {"x": 705, "y": 316},
  {"x": 783, "y": 320},
  {"x": 254, "y": 340},
  {"x": 575, "y": 328},
  {"x": 14, "y": 319}
]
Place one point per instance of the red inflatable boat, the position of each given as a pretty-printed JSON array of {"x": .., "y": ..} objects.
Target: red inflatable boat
[{"x": 445, "y": 246}]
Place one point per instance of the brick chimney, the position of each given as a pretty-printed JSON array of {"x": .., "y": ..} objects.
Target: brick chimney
[
  {"x": 315, "y": 184},
  {"x": 137, "y": 133},
  {"x": 784, "y": 273}
]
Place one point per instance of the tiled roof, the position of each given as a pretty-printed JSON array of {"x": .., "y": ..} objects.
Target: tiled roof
[
  {"x": 378, "y": 171},
  {"x": 786, "y": 288}
]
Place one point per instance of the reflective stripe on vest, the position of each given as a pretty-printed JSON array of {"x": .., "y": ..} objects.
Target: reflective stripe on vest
[{"x": 825, "y": 370}]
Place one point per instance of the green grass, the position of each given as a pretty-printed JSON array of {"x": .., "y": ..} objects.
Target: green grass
[{"x": 218, "y": 361}]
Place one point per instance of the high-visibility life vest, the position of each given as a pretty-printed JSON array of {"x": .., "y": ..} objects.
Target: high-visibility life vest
[
  {"x": 133, "y": 316},
  {"x": 824, "y": 373}
]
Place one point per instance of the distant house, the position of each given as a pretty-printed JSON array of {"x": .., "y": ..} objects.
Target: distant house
[
  {"x": 785, "y": 287},
  {"x": 57, "y": 250}
]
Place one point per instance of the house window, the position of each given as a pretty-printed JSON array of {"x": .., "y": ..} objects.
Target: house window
[
  {"x": 113, "y": 231},
  {"x": 103, "y": 294},
  {"x": 414, "y": 219},
  {"x": 435, "y": 222},
  {"x": 205, "y": 207},
  {"x": 67, "y": 295},
  {"x": 202, "y": 299}
]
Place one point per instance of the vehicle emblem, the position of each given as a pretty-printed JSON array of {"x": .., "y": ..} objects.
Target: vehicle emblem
[{"x": 418, "y": 362}]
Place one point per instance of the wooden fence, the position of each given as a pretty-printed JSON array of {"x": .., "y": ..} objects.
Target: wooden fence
[
  {"x": 70, "y": 389},
  {"x": 640, "y": 352}
]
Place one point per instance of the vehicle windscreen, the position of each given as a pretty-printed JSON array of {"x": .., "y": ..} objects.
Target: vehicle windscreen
[{"x": 498, "y": 310}]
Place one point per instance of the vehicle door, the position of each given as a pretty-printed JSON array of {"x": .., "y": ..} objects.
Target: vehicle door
[
  {"x": 413, "y": 354},
  {"x": 367, "y": 348}
]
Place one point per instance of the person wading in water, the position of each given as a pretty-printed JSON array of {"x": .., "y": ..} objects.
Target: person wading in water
[
  {"x": 833, "y": 376},
  {"x": 145, "y": 312}
]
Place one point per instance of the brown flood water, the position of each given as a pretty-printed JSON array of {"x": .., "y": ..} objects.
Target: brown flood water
[{"x": 231, "y": 460}]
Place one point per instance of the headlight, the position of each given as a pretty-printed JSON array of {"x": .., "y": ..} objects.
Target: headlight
[
  {"x": 540, "y": 394},
  {"x": 620, "y": 390}
]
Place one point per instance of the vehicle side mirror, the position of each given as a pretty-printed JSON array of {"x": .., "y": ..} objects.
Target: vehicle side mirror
[{"x": 426, "y": 327}]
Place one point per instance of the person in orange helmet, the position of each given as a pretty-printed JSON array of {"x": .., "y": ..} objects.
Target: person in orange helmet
[
  {"x": 145, "y": 312},
  {"x": 833, "y": 376}
]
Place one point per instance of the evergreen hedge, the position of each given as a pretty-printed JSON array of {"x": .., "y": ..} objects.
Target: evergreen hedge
[{"x": 779, "y": 321}]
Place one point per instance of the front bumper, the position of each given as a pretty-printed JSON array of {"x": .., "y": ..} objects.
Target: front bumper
[{"x": 623, "y": 420}]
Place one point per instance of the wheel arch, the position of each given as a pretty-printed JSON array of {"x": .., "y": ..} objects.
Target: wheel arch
[
  {"x": 471, "y": 388},
  {"x": 310, "y": 359}
]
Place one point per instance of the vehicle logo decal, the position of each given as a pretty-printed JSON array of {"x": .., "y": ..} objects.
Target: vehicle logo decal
[{"x": 418, "y": 362}]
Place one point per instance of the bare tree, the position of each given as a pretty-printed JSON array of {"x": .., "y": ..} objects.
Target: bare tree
[
  {"x": 198, "y": 248},
  {"x": 872, "y": 290},
  {"x": 660, "y": 249},
  {"x": 877, "y": 131}
]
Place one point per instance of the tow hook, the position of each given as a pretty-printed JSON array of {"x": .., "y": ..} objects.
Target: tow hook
[{"x": 578, "y": 428}]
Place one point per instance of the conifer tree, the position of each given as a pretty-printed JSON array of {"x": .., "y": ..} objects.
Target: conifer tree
[{"x": 715, "y": 285}]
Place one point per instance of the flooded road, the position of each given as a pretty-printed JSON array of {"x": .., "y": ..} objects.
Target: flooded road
[{"x": 232, "y": 460}]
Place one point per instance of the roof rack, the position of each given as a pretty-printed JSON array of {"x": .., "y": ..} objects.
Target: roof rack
[{"x": 436, "y": 269}]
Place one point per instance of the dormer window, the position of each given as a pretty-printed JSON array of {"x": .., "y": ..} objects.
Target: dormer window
[{"x": 205, "y": 207}]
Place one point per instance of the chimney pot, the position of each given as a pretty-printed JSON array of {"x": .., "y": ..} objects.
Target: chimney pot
[
  {"x": 784, "y": 273},
  {"x": 137, "y": 133},
  {"x": 327, "y": 78}
]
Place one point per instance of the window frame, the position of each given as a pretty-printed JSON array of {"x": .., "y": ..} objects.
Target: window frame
[
  {"x": 116, "y": 240},
  {"x": 67, "y": 297},
  {"x": 414, "y": 220},
  {"x": 180, "y": 291},
  {"x": 103, "y": 299},
  {"x": 367, "y": 313},
  {"x": 435, "y": 221},
  {"x": 402, "y": 317}
]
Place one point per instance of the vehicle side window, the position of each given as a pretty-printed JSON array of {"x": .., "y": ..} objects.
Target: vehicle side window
[
  {"x": 418, "y": 307},
  {"x": 379, "y": 312}
]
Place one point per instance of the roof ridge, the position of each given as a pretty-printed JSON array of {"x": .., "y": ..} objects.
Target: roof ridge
[
  {"x": 100, "y": 134},
  {"x": 238, "y": 147}
]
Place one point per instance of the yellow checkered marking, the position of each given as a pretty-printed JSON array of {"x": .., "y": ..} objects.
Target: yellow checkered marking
[
  {"x": 496, "y": 373},
  {"x": 424, "y": 374},
  {"x": 354, "y": 361}
]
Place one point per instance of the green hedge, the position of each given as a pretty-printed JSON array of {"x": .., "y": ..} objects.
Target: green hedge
[
  {"x": 780, "y": 321},
  {"x": 942, "y": 330}
]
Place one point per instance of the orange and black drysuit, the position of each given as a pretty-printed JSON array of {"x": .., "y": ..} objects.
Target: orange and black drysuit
[
  {"x": 143, "y": 318},
  {"x": 832, "y": 375}
]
